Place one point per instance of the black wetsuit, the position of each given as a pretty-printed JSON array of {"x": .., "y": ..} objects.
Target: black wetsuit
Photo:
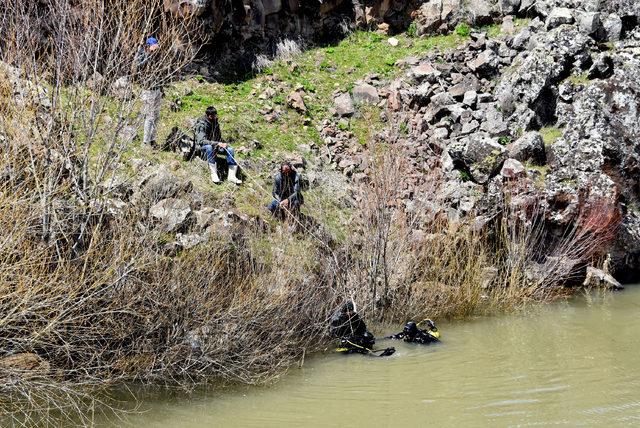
[
  {"x": 352, "y": 331},
  {"x": 421, "y": 336}
]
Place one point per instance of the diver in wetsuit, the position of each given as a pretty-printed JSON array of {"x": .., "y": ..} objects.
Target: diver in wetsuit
[
  {"x": 347, "y": 325},
  {"x": 412, "y": 334}
]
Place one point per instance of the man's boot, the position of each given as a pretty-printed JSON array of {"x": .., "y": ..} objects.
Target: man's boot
[
  {"x": 233, "y": 171},
  {"x": 213, "y": 168}
]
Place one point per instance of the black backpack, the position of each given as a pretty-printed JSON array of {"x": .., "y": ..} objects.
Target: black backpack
[{"x": 182, "y": 143}]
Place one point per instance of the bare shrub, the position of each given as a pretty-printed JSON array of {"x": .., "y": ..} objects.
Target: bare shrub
[{"x": 415, "y": 262}]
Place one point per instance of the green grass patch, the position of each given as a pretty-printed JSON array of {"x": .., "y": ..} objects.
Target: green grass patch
[
  {"x": 580, "y": 79},
  {"x": 463, "y": 30},
  {"x": 550, "y": 135}
]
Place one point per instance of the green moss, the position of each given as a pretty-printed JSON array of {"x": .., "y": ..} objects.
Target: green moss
[
  {"x": 504, "y": 140},
  {"x": 465, "y": 176},
  {"x": 550, "y": 135},
  {"x": 541, "y": 176},
  {"x": 580, "y": 79},
  {"x": 412, "y": 31},
  {"x": 463, "y": 30}
]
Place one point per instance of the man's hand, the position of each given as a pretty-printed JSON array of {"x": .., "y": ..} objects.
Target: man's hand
[
  {"x": 284, "y": 203},
  {"x": 222, "y": 145}
]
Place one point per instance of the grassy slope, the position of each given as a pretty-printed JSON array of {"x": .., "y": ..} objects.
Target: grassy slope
[{"x": 320, "y": 72}]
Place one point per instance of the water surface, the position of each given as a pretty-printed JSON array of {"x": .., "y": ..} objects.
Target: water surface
[{"x": 566, "y": 364}]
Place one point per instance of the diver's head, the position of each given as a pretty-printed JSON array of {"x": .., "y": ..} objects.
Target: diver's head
[
  {"x": 347, "y": 307},
  {"x": 410, "y": 329}
]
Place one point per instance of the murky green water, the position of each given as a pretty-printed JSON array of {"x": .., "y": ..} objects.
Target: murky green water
[{"x": 568, "y": 364}]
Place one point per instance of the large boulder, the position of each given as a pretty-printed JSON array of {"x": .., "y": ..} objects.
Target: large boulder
[
  {"x": 559, "y": 16},
  {"x": 344, "y": 105},
  {"x": 528, "y": 148},
  {"x": 364, "y": 93},
  {"x": 598, "y": 153},
  {"x": 173, "y": 215},
  {"x": 509, "y": 7},
  {"x": 157, "y": 183},
  {"x": 484, "y": 157},
  {"x": 480, "y": 12},
  {"x": 438, "y": 16}
]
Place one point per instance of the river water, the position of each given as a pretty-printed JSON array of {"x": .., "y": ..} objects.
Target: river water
[{"x": 571, "y": 363}]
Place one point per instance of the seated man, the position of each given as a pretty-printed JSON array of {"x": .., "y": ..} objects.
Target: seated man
[
  {"x": 411, "y": 333},
  {"x": 209, "y": 138},
  {"x": 286, "y": 192}
]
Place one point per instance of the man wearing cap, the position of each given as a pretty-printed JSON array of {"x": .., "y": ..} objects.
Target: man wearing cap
[
  {"x": 152, "y": 94},
  {"x": 209, "y": 139}
]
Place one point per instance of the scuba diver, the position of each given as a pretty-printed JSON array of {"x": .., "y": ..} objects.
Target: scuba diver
[
  {"x": 412, "y": 334},
  {"x": 347, "y": 325}
]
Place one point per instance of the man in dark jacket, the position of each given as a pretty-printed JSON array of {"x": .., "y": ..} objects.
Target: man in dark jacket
[
  {"x": 209, "y": 138},
  {"x": 411, "y": 333},
  {"x": 287, "y": 192}
]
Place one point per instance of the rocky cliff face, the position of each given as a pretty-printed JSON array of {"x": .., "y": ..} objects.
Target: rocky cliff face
[
  {"x": 548, "y": 115},
  {"x": 236, "y": 31}
]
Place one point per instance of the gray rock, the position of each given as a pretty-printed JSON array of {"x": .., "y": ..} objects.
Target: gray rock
[
  {"x": 509, "y": 7},
  {"x": 450, "y": 10},
  {"x": 480, "y": 12},
  {"x": 602, "y": 68},
  {"x": 559, "y": 16},
  {"x": 484, "y": 157},
  {"x": 528, "y": 148},
  {"x": 508, "y": 27},
  {"x": 364, "y": 93},
  {"x": 438, "y": 107},
  {"x": 613, "y": 27},
  {"x": 425, "y": 71},
  {"x": 512, "y": 169},
  {"x": 190, "y": 7},
  {"x": 470, "y": 98},
  {"x": 494, "y": 123},
  {"x": 485, "y": 64},
  {"x": 440, "y": 133},
  {"x": 271, "y": 6},
  {"x": 524, "y": 93},
  {"x": 469, "y": 83},
  {"x": 429, "y": 17},
  {"x": 521, "y": 40},
  {"x": 597, "y": 278},
  {"x": 122, "y": 88},
  {"x": 590, "y": 23},
  {"x": 191, "y": 240},
  {"x": 173, "y": 214},
  {"x": 470, "y": 127},
  {"x": 206, "y": 217},
  {"x": 344, "y": 104},
  {"x": 158, "y": 184},
  {"x": 422, "y": 94}
]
